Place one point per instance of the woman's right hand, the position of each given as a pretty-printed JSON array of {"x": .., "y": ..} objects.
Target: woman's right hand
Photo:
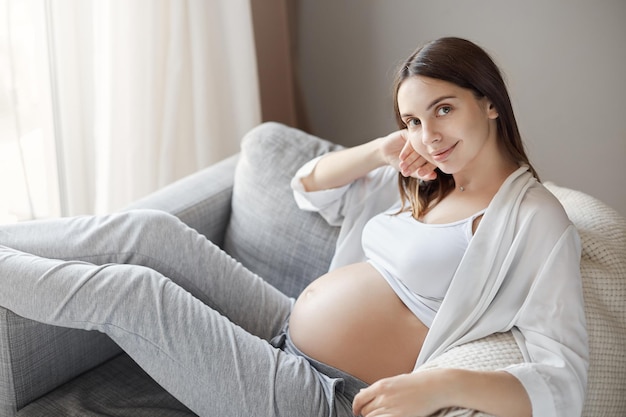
[{"x": 399, "y": 153}]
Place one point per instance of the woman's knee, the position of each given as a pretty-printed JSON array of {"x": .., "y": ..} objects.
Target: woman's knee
[
  {"x": 150, "y": 218},
  {"x": 152, "y": 224},
  {"x": 147, "y": 232}
]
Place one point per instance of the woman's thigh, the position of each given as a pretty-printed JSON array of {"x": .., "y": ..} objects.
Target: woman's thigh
[{"x": 163, "y": 243}]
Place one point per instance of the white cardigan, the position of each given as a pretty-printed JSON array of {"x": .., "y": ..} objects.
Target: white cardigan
[{"x": 521, "y": 272}]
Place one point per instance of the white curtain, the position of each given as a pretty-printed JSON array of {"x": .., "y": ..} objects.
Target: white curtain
[
  {"x": 28, "y": 185},
  {"x": 145, "y": 92}
]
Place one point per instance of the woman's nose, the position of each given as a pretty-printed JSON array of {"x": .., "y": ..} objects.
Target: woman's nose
[{"x": 430, "y": 134}]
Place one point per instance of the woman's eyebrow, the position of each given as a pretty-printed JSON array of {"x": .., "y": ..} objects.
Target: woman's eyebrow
[{"x": 437, "y": 100}]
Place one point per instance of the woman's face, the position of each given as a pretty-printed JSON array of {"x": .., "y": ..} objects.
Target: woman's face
[{"x": 447, "y": 124}]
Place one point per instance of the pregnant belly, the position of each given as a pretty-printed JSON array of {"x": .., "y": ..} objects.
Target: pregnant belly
[{"x": 352, "y": 320}]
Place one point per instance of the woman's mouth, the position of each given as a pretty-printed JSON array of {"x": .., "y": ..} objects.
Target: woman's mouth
[{"x": 443, "y": 154}]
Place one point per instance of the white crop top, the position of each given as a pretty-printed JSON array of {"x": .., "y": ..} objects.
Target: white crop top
[{"x": 417, "y": 259}]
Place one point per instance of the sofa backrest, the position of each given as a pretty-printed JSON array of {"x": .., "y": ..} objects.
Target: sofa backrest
[{"x": 267, "y": 232}]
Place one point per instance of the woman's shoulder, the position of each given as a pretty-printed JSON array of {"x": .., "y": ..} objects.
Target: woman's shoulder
[{"x": 544, "y": 208}]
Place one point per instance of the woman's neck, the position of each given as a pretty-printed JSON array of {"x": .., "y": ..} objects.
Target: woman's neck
[{"x": 487, "y": 179}]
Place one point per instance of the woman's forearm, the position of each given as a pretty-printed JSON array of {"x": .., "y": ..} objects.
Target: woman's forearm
[
  {"x": 342, "y": 167},
  {"x": 425, "y": 392},
  {"x": 339, "y": 168},
  {"x": 498, "y": 393}
]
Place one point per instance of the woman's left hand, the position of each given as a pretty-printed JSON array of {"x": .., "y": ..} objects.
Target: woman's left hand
[{"x": 408, "y": 395}]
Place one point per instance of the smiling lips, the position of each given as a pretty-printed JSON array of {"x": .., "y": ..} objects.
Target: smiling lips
[{"x": 442, "y": 155}]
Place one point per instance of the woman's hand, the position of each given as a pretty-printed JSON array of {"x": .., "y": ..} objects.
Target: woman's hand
[
  {"x": 399, "y": 153},
  {"x": 408, "y": 395}
]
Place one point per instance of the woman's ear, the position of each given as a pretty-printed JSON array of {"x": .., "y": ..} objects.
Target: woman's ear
[{"x": 492, "y": 113}]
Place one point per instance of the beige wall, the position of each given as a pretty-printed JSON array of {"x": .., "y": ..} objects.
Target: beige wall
[{"x": 564, "y": 60}]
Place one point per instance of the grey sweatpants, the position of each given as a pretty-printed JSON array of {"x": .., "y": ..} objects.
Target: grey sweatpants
[{"x": 192, "y": 317}]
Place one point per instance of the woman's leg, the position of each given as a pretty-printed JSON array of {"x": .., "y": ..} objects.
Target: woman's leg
[
  {"x": 213, "y": 366},
  {"x": 161, "y": 242}
]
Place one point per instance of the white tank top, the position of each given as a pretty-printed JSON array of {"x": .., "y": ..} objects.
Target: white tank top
[{"x": 418, "y": 260}]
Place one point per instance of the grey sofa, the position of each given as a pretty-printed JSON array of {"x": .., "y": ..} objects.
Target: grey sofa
[{"x": 49, "y": 371}]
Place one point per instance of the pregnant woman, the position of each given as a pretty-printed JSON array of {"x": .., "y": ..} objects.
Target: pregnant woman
[{"x": 447, "y": 236}]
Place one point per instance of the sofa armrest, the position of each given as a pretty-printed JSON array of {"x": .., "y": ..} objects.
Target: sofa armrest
[{"x": 36, "y": 358}]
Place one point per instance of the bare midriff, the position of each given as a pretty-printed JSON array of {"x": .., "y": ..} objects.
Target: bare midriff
[{"x": 352, "y": 320}]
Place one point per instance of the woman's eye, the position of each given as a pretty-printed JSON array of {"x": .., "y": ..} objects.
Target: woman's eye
[
  {"x": 443, "y": 110},
  {"x": 413, "y": 122}
]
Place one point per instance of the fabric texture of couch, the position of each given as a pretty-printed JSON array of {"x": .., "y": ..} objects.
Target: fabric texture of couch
[{"x": 245, "y": 205}]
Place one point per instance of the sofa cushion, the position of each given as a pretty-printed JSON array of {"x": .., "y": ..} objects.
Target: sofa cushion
[
  {"x": 283, "y": 244},
  {"x": 93, "y": 394}
]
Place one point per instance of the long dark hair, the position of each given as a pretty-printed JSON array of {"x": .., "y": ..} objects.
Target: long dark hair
[{"x": 465, "y": 64}]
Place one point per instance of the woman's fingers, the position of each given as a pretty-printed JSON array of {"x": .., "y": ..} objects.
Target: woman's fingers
[
  {"x": 361, "y": 400},
  {"x": 412, "y": 164},
  {"x": 402, "y": 156}
]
